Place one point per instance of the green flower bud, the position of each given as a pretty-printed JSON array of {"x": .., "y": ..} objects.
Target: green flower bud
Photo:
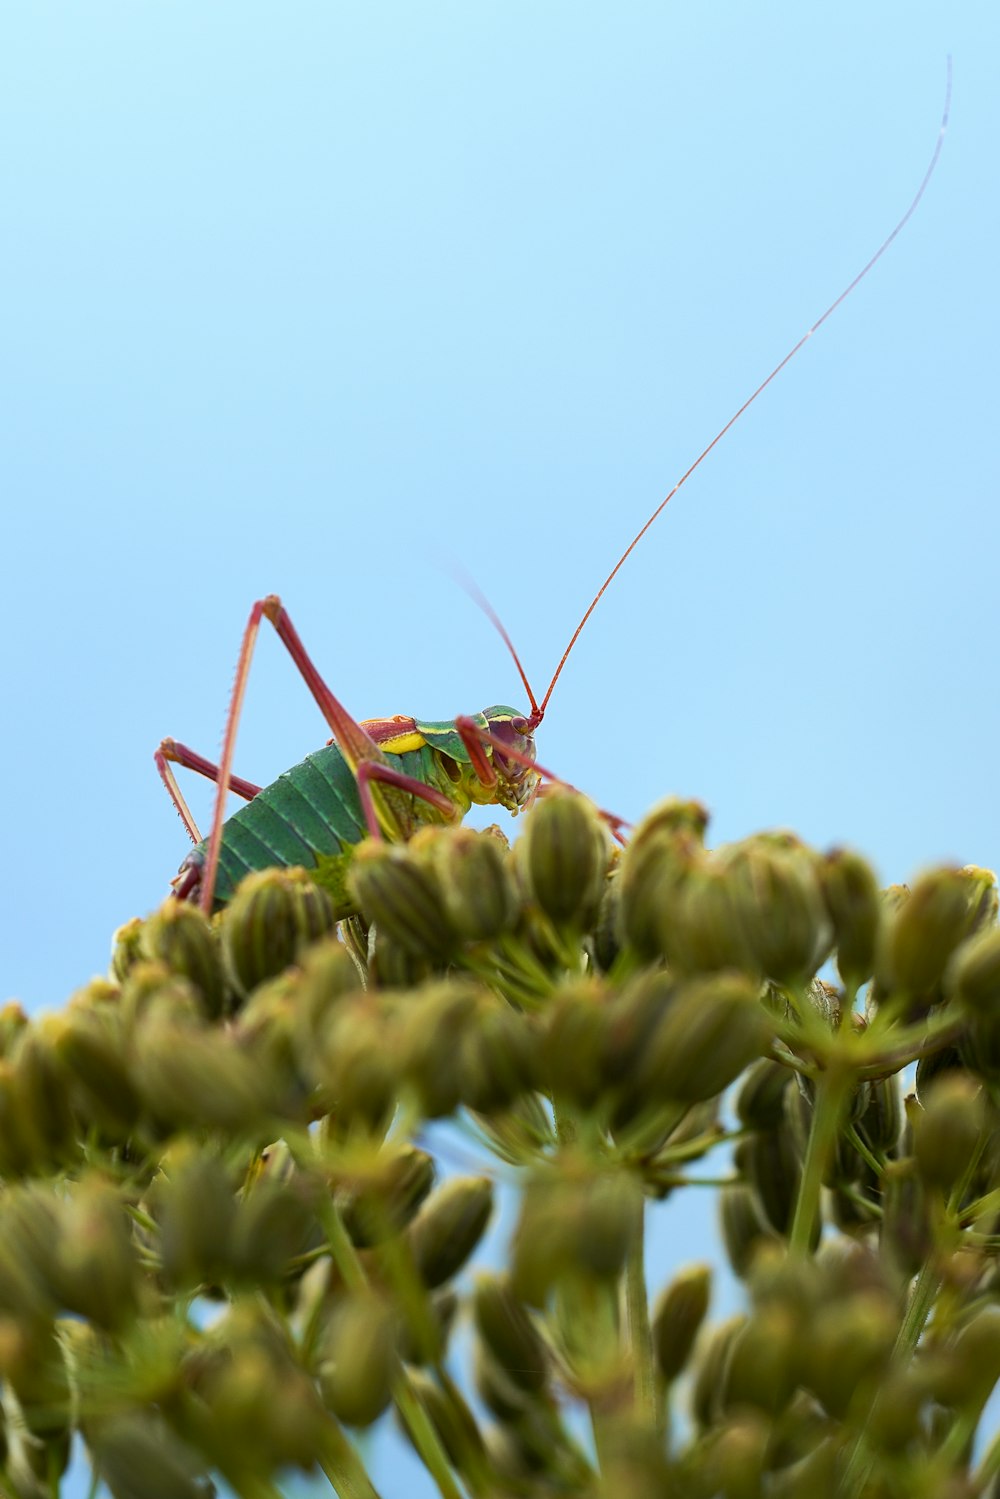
[
  {"x": 652, "y": 871},
  {"x": 126, "y": 948},
  {"x": 772, "y": 1166},
  {"x": 853, "y": 902},
  {"x": 740, "y": 1452},
  {"x": 936, "y": 1064},
  {"x": 760, "y": 1103},
  {"x": 780, "y": 906},
  {"x": 381, "y": 1201},
  {"x": 197, "y": 1210},
  {"x": 403, "y": 896},
  {"x": 701, "y": 925},
  {"x": 970, "y": 1366},
  {"x": 574, "y": 1044},
  {"x": 355, "y": 1067},
  {"x": 563, "y": 857},
  {"x": 679, "y": 1312},
  {"x": 30, "y": 1224},
  {"x": 575, "y": 1218},
  {"x": 921, "y": 936},
  {"x": 43, "y": 1086},
  {"x": 846, "y": 1350},
  {"x": 608, "y": 931},
  {"x": 423, "y": 1338},
  {"x": 744, "y": 1231},
  {"x": 433, "y": 1023},
  {"x": 479, "y": 889},
  {"x": 139, "y": 1457},
  {"x": 506, "y": 1328},
  {"x": 763, "y": 1364},
  {"x": 497, "y": 1057},
  {"x": 947, "y": 1130},
  {"x": 973, "y": 974},
  {"x": 711, "y": 1361},
  {"x": 179, "y": 936},
  {"x": 449, "y": 1226},
  {"x": 454, "y": 1423},
  {"x": 359, "y": 1359},
  {"x": 271, "y": 918},
  {"x": 13, "y": 1021},
  {"x": 905, "y": 1231},
  {"x": 275, "y": 1226},
  {"x": 96, "y": 1269},
  {"x": 89, "y": 1041},
  {"x": 262, "y": 1410},
  {"x": 882, "y": 1120},
  {"x": 187, "y": 1076},
  {"x": 710, "y": 1031}
]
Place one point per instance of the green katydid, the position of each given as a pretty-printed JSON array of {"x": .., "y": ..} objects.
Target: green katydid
[{"x": 387, "y": 777}]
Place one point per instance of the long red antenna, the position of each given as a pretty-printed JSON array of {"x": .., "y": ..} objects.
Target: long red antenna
[
  {"x": 478, "y": 597},
  {"x": 538, "y": 713}
]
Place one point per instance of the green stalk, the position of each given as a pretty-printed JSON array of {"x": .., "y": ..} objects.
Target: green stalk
[
  {"x": 640, "y": 1334},
  {"x": 345, "y": 1469},
  {"x": 832, "y": 1089}
]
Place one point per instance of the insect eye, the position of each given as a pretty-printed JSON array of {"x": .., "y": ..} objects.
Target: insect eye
[{"x": 519, "y": 725}]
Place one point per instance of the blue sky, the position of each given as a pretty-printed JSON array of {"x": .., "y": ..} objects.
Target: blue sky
[{"x": 325, "y": 300}]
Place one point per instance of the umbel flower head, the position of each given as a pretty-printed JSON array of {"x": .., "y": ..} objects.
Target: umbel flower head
[{"x": 236, "y": 1229}]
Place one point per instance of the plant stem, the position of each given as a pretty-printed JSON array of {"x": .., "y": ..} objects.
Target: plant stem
[
  {"x": 640, "y": 1335},
  {"x": 832, "y": 1089}
]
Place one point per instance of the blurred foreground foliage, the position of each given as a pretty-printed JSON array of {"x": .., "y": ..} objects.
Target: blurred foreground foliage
[{"x": 224, "y": 1251}]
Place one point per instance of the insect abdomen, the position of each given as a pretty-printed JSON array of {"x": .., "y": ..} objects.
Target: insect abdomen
[{"x": 311, "y": 810}]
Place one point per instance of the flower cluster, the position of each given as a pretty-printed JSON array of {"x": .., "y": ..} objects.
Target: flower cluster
[{"x": 225, "y": 1247}]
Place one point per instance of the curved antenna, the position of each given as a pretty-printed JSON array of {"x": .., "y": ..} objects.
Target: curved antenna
[
  {"x": 540, "y": 711},
  {"x": 469, "y": 585}
]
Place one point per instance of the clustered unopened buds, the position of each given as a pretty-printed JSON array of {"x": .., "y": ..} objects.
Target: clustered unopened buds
[{"x": 244, "y": 1119}]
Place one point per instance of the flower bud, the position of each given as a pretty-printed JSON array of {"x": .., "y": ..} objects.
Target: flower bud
[
  {"x": 973, "y": 974},
  {"x": 763, "y": 1364},
  {"x": 905, "y": 1231},
  {"x": 882, "y": 1120},
  {"x": 679, "y": 1312},
  {"x": 479, "y": 889},
  {"x": 273, "y": 915},
  {"x": 497, "y": 1057},
  {"x": 506, "y": 1328},
  {"x": 90, "y": 1043},
  {"x": 852, "y": 899},
  {"x": 197, "y": 1211},
  {"x": 188, "y": 1076},
  {"x": 359, "y": 1359},
  {"x": 126, "y": 948},
  {"x": 402, "y": 895},
  {"x": 355, "y": 1067},
  {"x": 574, "y": 1044},
  {"x": 135, "y": 1452},
  {"x": 772, "y": 1166},
  {"x": 760, "y": 1103},
  {"x": 847, "y": 1350},
  {"x": 449, "y": 1226},
  {"x": 96, "y": 1269},
  {"x": 13, "y": 1021},
  {"x": 971, "y": 1365},
  {"x": 652, "y": 871},
  {"x": 947, "y": 1130},
  {"x": 433, "y": 1024},
  {"x": 42, "y": 1084},
  {"x": 713, "y": 1354},
  {"x": 744, "y": 1231},
  {"x": 575, "y": 1218},
  {"x": 925, "y": 930},
  {"x": 382, "y": 1201},
  {"x": 179, "y": 936},
  {"x": 780, "y": 906},
  {"x": 710, "y": 1031},
  {"x": 275, "y": 1225},
  {"x": 454, "y": 1424},
  {"x": 563, "y": 857}
]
